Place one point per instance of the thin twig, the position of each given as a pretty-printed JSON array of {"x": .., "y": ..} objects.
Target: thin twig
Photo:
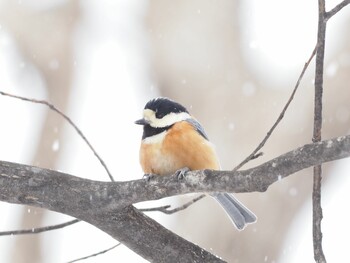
[
  {"x": 80, "y": 133},
  {"x": 317, "y": 132},
  {"x": 156, "y": 209},
  {"x": 94, "y": 255},
  {"x": 336, "y": 9},
  {"x": 54, "y": 108},
  {"x": 165, "y": 210},
  {"x": 255, "y": 153},
  {"x": 38, "y": 230}
]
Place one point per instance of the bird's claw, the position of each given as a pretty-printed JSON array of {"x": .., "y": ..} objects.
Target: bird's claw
[
  {"x": 148, "y": 177},
  {"x": 181, "y": 173}
]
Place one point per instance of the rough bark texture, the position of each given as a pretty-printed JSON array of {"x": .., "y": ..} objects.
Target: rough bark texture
[{"x": 107, "y": 205}]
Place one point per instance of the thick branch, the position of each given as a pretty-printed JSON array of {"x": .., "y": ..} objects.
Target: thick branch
[
  {"x": 106, "y": 205},
  {"x": 24, "y": 184}
]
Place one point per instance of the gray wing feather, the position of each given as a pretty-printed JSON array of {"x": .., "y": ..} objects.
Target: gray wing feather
[
  {"x": 198, "y": 127},
  {"x": 238, "y": 213}
]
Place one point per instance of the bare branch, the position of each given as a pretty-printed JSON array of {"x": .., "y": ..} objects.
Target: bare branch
[
  {"x": 38, "y": 230},
  {"x": 317, "y": 171},
  {"x": 336, "y": 9},
  {"x": 156, "y": 209},
  {"x": 165, "y": 209},
  {"x": 254, "y": 154},
  {"x": 96, "y": 254},
  {"x": 20, "y": 183},
  {"x": 55, "y": 109},
  {"x": 106, "y": 205},
  {"x": 80, "y": 133}
]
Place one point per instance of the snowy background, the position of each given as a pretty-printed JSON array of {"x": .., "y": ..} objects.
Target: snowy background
[{"x": 232, "y": 63}]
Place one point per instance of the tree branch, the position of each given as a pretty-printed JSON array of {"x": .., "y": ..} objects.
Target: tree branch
[
  {"x": 165, "y": 209},
  {"x": 24, "y": 184},
  {"x": 255, "y": 153},
  {"x": 38, "y": 230},
  {"x": 317, "y": 171},
  {"x": 95, "y": 254},
  {"x": 107, "y": 205},
  {"x": 336, "y": 9},
  {"x": 64, "y": 116}
]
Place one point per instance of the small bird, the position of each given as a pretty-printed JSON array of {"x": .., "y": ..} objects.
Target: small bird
[{"x": 173, "y": 140}]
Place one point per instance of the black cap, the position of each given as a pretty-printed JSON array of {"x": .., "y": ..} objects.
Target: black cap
[{"x": 163, "y": 106}]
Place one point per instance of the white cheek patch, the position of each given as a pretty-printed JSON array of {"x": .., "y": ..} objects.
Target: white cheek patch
[
  {"x": 149, "y": 115},
  {"x": 169, "y": 119},
  {"x": 158, "y": 138}
]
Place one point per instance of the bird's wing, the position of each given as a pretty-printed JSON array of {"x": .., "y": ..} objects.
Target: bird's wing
[{"x": 198, "y": 127}]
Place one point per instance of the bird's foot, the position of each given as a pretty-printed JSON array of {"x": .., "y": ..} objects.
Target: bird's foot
[
  {"x": 148, "y": 177},
  {"x": 181, "y": 173}
]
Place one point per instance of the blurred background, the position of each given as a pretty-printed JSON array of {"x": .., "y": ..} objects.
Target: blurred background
[{"x": 233, "y": 64}]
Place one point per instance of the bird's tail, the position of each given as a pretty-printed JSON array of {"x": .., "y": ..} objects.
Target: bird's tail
[{"x": 238, "y": 213}]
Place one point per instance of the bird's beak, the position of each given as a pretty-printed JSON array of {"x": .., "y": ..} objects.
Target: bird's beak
[{"x": 141, "y": 122}]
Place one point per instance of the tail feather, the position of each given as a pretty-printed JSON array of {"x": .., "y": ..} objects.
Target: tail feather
[{"x": 238, "y": 213}]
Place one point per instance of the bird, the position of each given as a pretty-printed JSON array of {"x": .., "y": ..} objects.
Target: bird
[{"x": 173, "y": 140}]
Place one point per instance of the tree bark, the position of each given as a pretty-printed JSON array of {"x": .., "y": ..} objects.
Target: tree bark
[{"x": 108, "y": 205}]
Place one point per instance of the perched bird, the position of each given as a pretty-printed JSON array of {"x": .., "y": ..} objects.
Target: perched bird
[{"x": 173, "y": 140}]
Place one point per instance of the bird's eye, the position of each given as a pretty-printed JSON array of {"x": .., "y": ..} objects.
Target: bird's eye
[{"x": 160, "y": 115}]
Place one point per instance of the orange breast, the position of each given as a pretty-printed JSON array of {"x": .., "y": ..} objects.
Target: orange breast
[{"x": 181, "y": 147}]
